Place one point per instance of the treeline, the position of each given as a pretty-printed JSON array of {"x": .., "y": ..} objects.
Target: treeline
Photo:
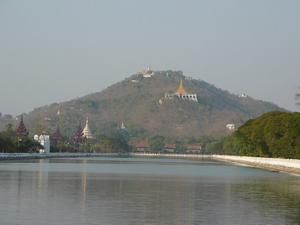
[
  {"x": 275, "y": 134},
  {"x": 113, "y": 143},
  {"x": 11, "y": 143}
]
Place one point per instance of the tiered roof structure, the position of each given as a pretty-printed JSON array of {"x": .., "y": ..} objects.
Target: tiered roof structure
[
  {"x": 21, "y": 130},
  {"x": 77, "y": 138}
]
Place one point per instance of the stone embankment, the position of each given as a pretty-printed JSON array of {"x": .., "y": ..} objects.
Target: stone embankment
[{"x": 291, "y": 166}]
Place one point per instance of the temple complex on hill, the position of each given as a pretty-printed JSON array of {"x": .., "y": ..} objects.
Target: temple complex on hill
[
  {"x": 21, "y": 130},
  {"x": 182, "y": 94},
  {"x": 147, "y": 73}
]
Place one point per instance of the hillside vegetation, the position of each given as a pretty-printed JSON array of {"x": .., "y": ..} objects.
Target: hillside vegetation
[
  {"x": 275, "y": 134},
  {"x": 139, "y": 103}
]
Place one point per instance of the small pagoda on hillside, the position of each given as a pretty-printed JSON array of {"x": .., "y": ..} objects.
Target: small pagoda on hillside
[
  {"x": 21, "y": 130},
  {"x": 86, "y": 132},
  {"x": 182, "y": 94}
]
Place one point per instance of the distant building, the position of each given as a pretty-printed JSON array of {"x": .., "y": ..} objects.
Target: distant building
[
  {"x": 44, "y": 140},
  {"x": 182, "y": 94},
  {"x": 21, "y": 130},
  {"x": 193, "y": 149},
  {"x": 230, "y": 127},
  {"x": 170, "y": 148},
  {"x": 243, "y": 95},
  {"x": 148, "y": 73},
  {"x": 142, "y": 146}
]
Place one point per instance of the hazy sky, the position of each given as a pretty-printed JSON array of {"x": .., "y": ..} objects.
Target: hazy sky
[{"x": 52, "y": 51}]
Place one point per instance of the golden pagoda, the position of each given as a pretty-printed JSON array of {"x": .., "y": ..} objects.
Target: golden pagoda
[
  {"x": 181, "y": 94},
  {"x": 181, "y": 91}
]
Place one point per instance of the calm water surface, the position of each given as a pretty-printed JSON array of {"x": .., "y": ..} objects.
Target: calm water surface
[{"x": 116, "y": 191}]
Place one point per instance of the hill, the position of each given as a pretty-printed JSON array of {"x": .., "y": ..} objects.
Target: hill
[
  {"x": 139, "y": 102},
  {"x": 275, "y": 134}
]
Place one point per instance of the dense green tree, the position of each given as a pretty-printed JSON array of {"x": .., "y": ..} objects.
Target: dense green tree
[
  {"x": 179, "y": 147},
  {"x": 10, "y": 143},
  {"x": 275, "y": 134},
  {"x": 157, "y": 143}
]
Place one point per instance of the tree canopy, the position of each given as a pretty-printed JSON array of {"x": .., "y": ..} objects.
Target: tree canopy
[
  {"x": 275, "y": 134},
  {"x": 11, "y": 143}
]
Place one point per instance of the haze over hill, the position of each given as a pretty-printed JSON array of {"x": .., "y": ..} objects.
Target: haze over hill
[{"x": 139, "y": 102}]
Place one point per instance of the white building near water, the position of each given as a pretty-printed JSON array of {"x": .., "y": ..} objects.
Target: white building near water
[{"x": 44, "y": 140}]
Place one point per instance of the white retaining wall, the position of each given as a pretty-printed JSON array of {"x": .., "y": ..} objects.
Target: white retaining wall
[{"x": 291, "y": 163}]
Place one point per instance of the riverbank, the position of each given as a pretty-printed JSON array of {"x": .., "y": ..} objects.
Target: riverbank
[{"x": 291, "y": 166}]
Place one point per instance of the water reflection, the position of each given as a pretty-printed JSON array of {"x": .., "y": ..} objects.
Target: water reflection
[{"x": 112, "y": 192}]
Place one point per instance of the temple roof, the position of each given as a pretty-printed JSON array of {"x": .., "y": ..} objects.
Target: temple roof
[
  {"x": 21, "y": 130},
  {"x": 181, "y": 90}
]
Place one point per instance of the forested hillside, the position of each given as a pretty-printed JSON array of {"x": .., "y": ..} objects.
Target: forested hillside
[{"x": 139, "y": 103}]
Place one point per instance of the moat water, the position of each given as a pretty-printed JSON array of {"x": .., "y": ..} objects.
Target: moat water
[{"x": 137, "y": 191}]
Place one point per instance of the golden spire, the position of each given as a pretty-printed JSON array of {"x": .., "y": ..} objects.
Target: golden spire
[{"x": 181, "y": 90}]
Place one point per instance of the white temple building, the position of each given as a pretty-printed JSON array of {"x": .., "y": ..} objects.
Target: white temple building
[
  {"x": 148, "y": 73},
  {"x": 86, "y": 132},
  {"x": 182, "y": 94},
  {"x": 44, "y": 140}
]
